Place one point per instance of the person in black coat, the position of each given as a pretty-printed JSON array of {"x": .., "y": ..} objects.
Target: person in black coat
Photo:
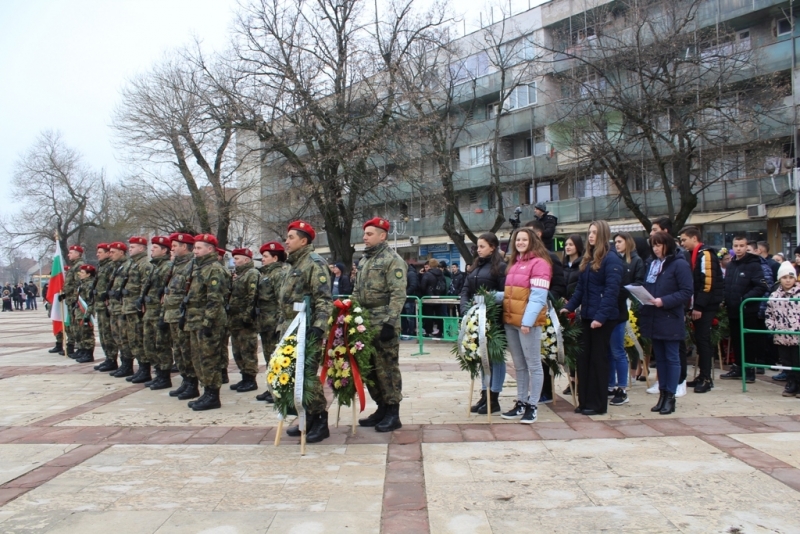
[
  {"x": 744, "y": 278},
  {"x": 340, "y": 285},
  {"x": 409, "y": 324},
  {"x": 549, "y": 223},
  {"x": 669, "y": 281},
  {"x": 488, "y": 272},
  {"x": 558, "y": 284},
  {"x": 457, "y": 277},
  {"x": 430, "y": 279},
  {"x": 573, "y": 252}
]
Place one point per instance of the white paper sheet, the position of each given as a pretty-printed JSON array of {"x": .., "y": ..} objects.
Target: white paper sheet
[{"x": 641, "y": 294}]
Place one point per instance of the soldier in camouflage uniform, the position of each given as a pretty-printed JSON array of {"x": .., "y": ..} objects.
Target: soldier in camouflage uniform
[
  {"x": 308, "y": 276},
  {"x": 272, "y": 270},
  {"x": 70, "y": 294},
  {"x": 157, "y": 342},
  {"x": 380, "y": 289},
  {"x": 122, "y": 264},
  {"x": 241, "y": 319},
  {"x": 174, "y": 313},
  {"x": 132, "y": 306},
  {"x": 81, "y": 314},
  {"x": 206, "y": 320},
  {"x": 102, "y": 284},
  {"x": 224, "y": 355}
]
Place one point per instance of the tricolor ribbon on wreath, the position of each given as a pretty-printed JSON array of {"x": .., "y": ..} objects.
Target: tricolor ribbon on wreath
[
  {"x": 297, "y": 328},
  {"x": 483, "y": 352},
  {"x": 342, "y": 310}
]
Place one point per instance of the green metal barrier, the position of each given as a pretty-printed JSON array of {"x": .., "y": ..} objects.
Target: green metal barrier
[
  {"x": 450, "y": 325},
  {"x": 744, "y": 331}
]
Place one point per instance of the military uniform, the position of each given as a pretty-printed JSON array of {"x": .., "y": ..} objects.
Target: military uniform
[
  {"x": 70, "y": 293},
  {"x": 118, "y": 328},
  {"x": 131, "y": 309},
  {"x": 268, "y": 286},
  {"x": 157, "y": 341},
  {"x": 102, "y": 284},
  {"x": 242, "y": 323},
  {"x": 83, "y": 328},
  {"x": 224, "y": 355}
]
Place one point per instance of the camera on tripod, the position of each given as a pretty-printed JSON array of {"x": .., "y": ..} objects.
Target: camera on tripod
[{"x": 515, "y": 222}]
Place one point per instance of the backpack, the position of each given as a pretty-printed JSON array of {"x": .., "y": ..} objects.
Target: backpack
[{"x": 440, "y": 288}]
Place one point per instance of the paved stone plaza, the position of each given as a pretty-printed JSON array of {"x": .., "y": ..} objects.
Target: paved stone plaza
[{"x": 86, "y": 453}]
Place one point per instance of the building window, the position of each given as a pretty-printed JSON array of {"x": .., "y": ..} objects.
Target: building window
[
  {"x": 783, "y": 26},
  {"x": 492, "y": 110},
  {"x": 591, "y": 186},
  {"x": 479, "y": 155},
  {"x": 591, "y": 84},
  {"x": 546, "y": 191},
  {"x": 470, "y": 68},
  {"x": 522, "y": 96}
]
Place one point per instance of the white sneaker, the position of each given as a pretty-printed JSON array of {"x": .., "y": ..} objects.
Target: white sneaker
[
  {"x": 654, "y": 389},
  {"x": 680, "y": 391}
]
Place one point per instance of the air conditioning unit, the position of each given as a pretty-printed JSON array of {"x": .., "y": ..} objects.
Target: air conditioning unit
[
  {"x": 413, "y": 239},
  {"x": 755, "y": 211}
]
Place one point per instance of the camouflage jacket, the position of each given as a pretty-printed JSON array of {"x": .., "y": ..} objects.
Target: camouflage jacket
[
  {"x": 380, "y": 285},
  {"x": 182, "y": 269},
  {"x": 137, "y": 276},
  {"x": 84, "y": 291},
  {"x": 307, "y": 276},
  {"x": 207, "y": 296},
  {"x": 159, "y": 271},
  {"x": 119, "y": 280},
  {"x": 271, "y": 279},
  {"x": 71, "y": 282},
  {"x": 105, "y": 271},
  {"x": 244, "y": 288}
]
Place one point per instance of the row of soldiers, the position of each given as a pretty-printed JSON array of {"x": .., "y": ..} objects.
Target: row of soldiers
[{"x": 182, "y": 304}]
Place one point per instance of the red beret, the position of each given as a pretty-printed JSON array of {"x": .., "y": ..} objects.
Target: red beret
[
  {"x": 88, "y": 268},
  {"x": 182, "y": 238},
  {"x": 221, "y": 252},
  {"x": 242, "y": 252},
  {"x": 104, "y": 246},
  {"x": 206, "y": 238},
  {"x": 77, "y": 248},
  {"x": 377, "y": 222},
  {"x": 303, "y": 227},
  {"x": 138, "y": 240},
  {"x": 161, "y": 240},
  {"x": 119, "y": 245},
  {"x": 271, "y": 246}
]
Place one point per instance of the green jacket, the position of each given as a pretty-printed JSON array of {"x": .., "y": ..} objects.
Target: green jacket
[
  {"x": 380, "y": 285},
  {"x": 307, "y": 276},
  {"x": 244, "y": 288},
  {"x": 271, "y": 280},
  {"x": 71, "y": 282},
  {"x": 120, "y": 276},
  {"x": 208, "y": 294},
  {"x": 182, "y": 269},
  {"x": 138, "y": 274},
  {"x": 159, "y": 271},
  {"x": 84, "y": 290},
  {"x": 104, "y": 273}
]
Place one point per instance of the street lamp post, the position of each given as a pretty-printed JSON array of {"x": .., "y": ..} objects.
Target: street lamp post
[{"x": 398, "y": 228}]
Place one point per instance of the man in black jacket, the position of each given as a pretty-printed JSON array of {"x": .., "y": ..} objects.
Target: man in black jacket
[
  {"x": 549, "y": 223},
  {"x": 744, "y": 279},
  {"x": 558, "y": 282},
  {"x": 408, "y": 325},
  {"x": 457, "y": 280},
  {"x": 708, "y": 295},
  {"x": 430, "y": 279}
]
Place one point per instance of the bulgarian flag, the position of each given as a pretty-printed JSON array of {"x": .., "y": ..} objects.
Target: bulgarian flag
[{"x": 58, "y": 311}]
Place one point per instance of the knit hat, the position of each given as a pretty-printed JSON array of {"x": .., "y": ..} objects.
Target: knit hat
[{"x": 786, "y": 268}]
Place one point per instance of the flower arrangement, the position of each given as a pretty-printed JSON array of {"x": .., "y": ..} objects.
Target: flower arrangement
[
  {"x": 644, "y": 342},
  {"x": 281, "y": 370},
  {"x": 348, "y": 353},
  {"x": 570, "y": 333},
  {"x": 470, "y": 360},
  {"x": 550, "y": 347}
]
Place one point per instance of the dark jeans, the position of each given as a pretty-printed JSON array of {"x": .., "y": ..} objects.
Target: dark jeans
[
  {"x": 790, "y": 357},
  {"x": 753, "y": 343},
  {"x": 593, "y": 366},
  {"x": 702, "y": 339},
  {"x": 667, "y": 364},
  {"x": 683, "y": 353},
  {"x": 409, "y": 324},
  {"x": 439, "y": 310}
]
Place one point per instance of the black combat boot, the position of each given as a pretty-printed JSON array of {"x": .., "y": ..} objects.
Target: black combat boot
[
  {"x": 70, "y": 349},
  {"x": 56, "y": 349},
  {"x": 202, "y": 398},
  {"x": 236, "y": 385},
  {"x": 669, "y": 404},
  {"x": 225, "y": 378},
  {"x": 211, "y": 401},
  {"x": 319, "y": 428},
  {"x": 248, "y": 383},
  {"x": 174, "y": 369},
  {"x": 660, "y": 404},
  {"x": 191, "y": 391},
  {"x": 266, "y": 396},
  {"x": 76, "y": 354},
  {"x": 144, "y": 374},
  {"x": 480, "y": 404},
  {"x": 375, "y": 418},
  {"x": 137, "y": 374},
  {"x": 125, "y": 369},
  {"x": 294, "y": 430},
  {"x": 181, "y": 388},
  {"x": 391, "y": 421},
  {"x": 108, "y": 365},
  {"x": 163, "y": 380},
  {"x": 494, "y": 401},
  {"x": 87, "y": 356}
]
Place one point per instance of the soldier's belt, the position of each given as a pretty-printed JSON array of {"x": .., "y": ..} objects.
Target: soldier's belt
[{"x": 372, "y": 303}]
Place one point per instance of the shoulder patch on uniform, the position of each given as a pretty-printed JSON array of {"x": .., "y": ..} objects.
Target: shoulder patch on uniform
[
  {"x": 252, "y": 285},
  {"x": 323, "y": 278},
  {"x": 398, "y": 273},
  {"x": 213, "y": 282}
]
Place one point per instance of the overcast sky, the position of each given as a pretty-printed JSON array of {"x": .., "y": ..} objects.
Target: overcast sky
[{"x": 63, "y": 63}]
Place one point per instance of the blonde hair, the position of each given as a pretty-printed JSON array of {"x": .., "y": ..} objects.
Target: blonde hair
[
  {"x": 433, "y": 262},
  {"x": 630, "y": 244},
  {"x": 595, "y": 254}
]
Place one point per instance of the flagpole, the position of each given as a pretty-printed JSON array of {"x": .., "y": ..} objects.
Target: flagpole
[{"x": 63, "y": 308}]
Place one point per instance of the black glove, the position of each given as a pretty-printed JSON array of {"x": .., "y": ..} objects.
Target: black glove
[
  {"x": 316, "y": 333},
  {"x": 207, "y": 331},
  {"x": 387, "y": 332},
  {"x": 163, "y": 326}
]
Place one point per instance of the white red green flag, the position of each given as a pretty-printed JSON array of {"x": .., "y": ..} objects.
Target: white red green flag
[{"x": 58, "y": 310}]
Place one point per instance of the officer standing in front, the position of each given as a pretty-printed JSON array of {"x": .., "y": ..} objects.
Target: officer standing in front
[
  {"x": 308, "y": 276},
  {"x": 242, "y": 320},
  {"x": 380, "y": 288},
  {"x": 207, "y": 320}
]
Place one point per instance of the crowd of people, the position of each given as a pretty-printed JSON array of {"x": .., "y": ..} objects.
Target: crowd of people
[{"x": 22, "y": 296}]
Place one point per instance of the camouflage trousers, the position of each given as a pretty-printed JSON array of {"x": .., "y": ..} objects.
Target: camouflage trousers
[
  {"x": 70, "y": 336},
  {"x": 157, "y": 345},
  {"x": 269, "y": 340},
  {"x": 224, "y": 356},
  {"x": 120, "y": 331},
  {"x": 107, "y": 340},
  {"x": 387, "y": 383},
  {"x": 135, "y": 336},
  {"x": 84, "y": 333},
  {"x": 182, "y": 348},
  {"x": 244, "y": 343},
  {"x": 316, "y": 402},
  {"x": 205, "y": 357}
]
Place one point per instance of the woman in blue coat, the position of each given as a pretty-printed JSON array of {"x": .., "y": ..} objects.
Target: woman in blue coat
[{"x": 669, "y": 281}]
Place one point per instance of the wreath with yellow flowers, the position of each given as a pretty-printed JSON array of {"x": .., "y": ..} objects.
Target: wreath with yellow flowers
[
  {"x": 281, "y": 370},
  {"x": 348, "y": 353}
]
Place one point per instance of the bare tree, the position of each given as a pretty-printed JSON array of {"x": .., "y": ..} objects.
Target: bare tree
[
  {"x": 60, "y": 194},
  {"x": 320, "y": 88},
  {"x": 652, "y": 101}
]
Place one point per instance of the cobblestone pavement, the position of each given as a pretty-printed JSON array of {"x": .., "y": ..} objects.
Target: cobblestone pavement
[{"x": 83, "y": 452}]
